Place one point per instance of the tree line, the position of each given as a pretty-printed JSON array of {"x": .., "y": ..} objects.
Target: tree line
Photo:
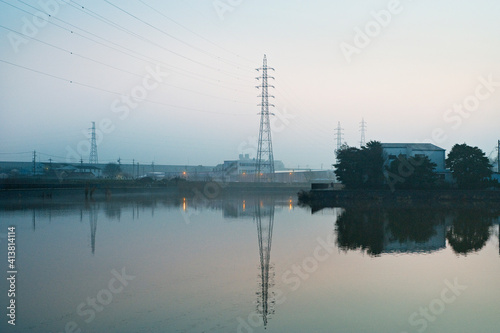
[{"x": 365, "y": 168}]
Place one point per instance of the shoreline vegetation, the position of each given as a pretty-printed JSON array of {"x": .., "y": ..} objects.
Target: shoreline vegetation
[{"x": 370, "y": 177}]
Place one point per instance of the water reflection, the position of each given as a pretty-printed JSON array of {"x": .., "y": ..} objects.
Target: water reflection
[
  {"x": 414, "y": 230},
  {"x": 264, "y": 218},
  {"x": 376, "y": 231},
  {"x": 210, "y": 265},
  {"x": 470, "y": 230},
  {"x": 93, "y": 227}
]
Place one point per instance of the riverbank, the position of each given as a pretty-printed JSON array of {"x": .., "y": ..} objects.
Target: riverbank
[
  {"x": 318, "y": 199},
  {"x": 105, "y": 188}
]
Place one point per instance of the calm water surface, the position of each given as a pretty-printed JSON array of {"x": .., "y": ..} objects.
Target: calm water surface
[{"x": 245, "y": 263}]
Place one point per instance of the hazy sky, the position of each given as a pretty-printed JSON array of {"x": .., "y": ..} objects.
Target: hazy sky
[{"x": 174, "y": 82}]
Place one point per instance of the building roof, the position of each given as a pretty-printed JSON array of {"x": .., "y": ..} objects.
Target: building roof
[{"x": 413, "y": 146}]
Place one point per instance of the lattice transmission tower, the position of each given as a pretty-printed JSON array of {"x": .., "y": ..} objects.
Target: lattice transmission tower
[
  {"x": 362, "y": 129},
  {"x": 338, "y": 135},
  {"x": 498, "y": 157},
  {"x": 265, "y": 157},
  {"x": 93, "y": 147}
]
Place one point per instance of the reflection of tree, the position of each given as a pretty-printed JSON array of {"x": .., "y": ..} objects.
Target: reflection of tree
[
  {"x": 361, "y": 229},
  {"x": 412, "y": 224},
  {"x": 470, "y": 231}
]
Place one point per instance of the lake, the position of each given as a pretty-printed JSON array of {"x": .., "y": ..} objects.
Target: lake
[{"x": 245, "y": 262}]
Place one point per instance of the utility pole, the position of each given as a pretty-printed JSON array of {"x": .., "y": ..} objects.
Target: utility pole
[
  {"x": 265, "y": 157},
  {"x": 133, "y": 168}
]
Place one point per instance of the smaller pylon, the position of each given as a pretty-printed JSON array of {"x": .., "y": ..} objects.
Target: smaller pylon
[
  {"x": 498, "y": 157},
  {"x": 34, "y": 162},
  {"x": 338, "y": 135},
  {"x": 93, "y": 146},
  {"x": 362, "y": 129}
]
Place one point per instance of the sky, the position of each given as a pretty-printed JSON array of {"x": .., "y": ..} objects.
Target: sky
[{"x": 173, "y": 82}]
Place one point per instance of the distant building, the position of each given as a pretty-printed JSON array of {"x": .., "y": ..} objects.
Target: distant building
[
  {"x": 242, "y": 166},
  {"x": 55, "y": 170},
  {"x": 436, "y": 154}
]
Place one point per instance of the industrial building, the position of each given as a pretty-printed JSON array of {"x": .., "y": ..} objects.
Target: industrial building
[{"x": 437, "y": 155}]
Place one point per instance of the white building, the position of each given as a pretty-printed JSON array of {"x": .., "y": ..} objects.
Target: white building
[
  {"x": 242, "y": 166},
  {"x": 436, "y": 154}
]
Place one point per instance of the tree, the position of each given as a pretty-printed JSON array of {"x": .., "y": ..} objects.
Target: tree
[
  {"x": 470, "y": 166},
  {"x": 348, "y": 169},
  {"x": 372, "y": 154},
  {"x": 414, "y": 172},
  {"x": 111, "y": 170},
  {"x": 360, "y": 168}
]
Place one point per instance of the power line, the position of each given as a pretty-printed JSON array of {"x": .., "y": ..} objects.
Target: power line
[
  {"x": 119, "y": 69},
  {"x": 20, "y": 153},
  {"x": 151, "y": 60},
  {"x": 114, "y": 92},
  {"x": 195, "y": 33},
  {"x": 177, "y": 39}
]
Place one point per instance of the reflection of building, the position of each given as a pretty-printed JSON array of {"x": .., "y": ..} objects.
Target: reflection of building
[
  {"x": 435, "y": 243},
  {"x": 238, "y": 209},
  {"x": 416, "y": 150}
]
